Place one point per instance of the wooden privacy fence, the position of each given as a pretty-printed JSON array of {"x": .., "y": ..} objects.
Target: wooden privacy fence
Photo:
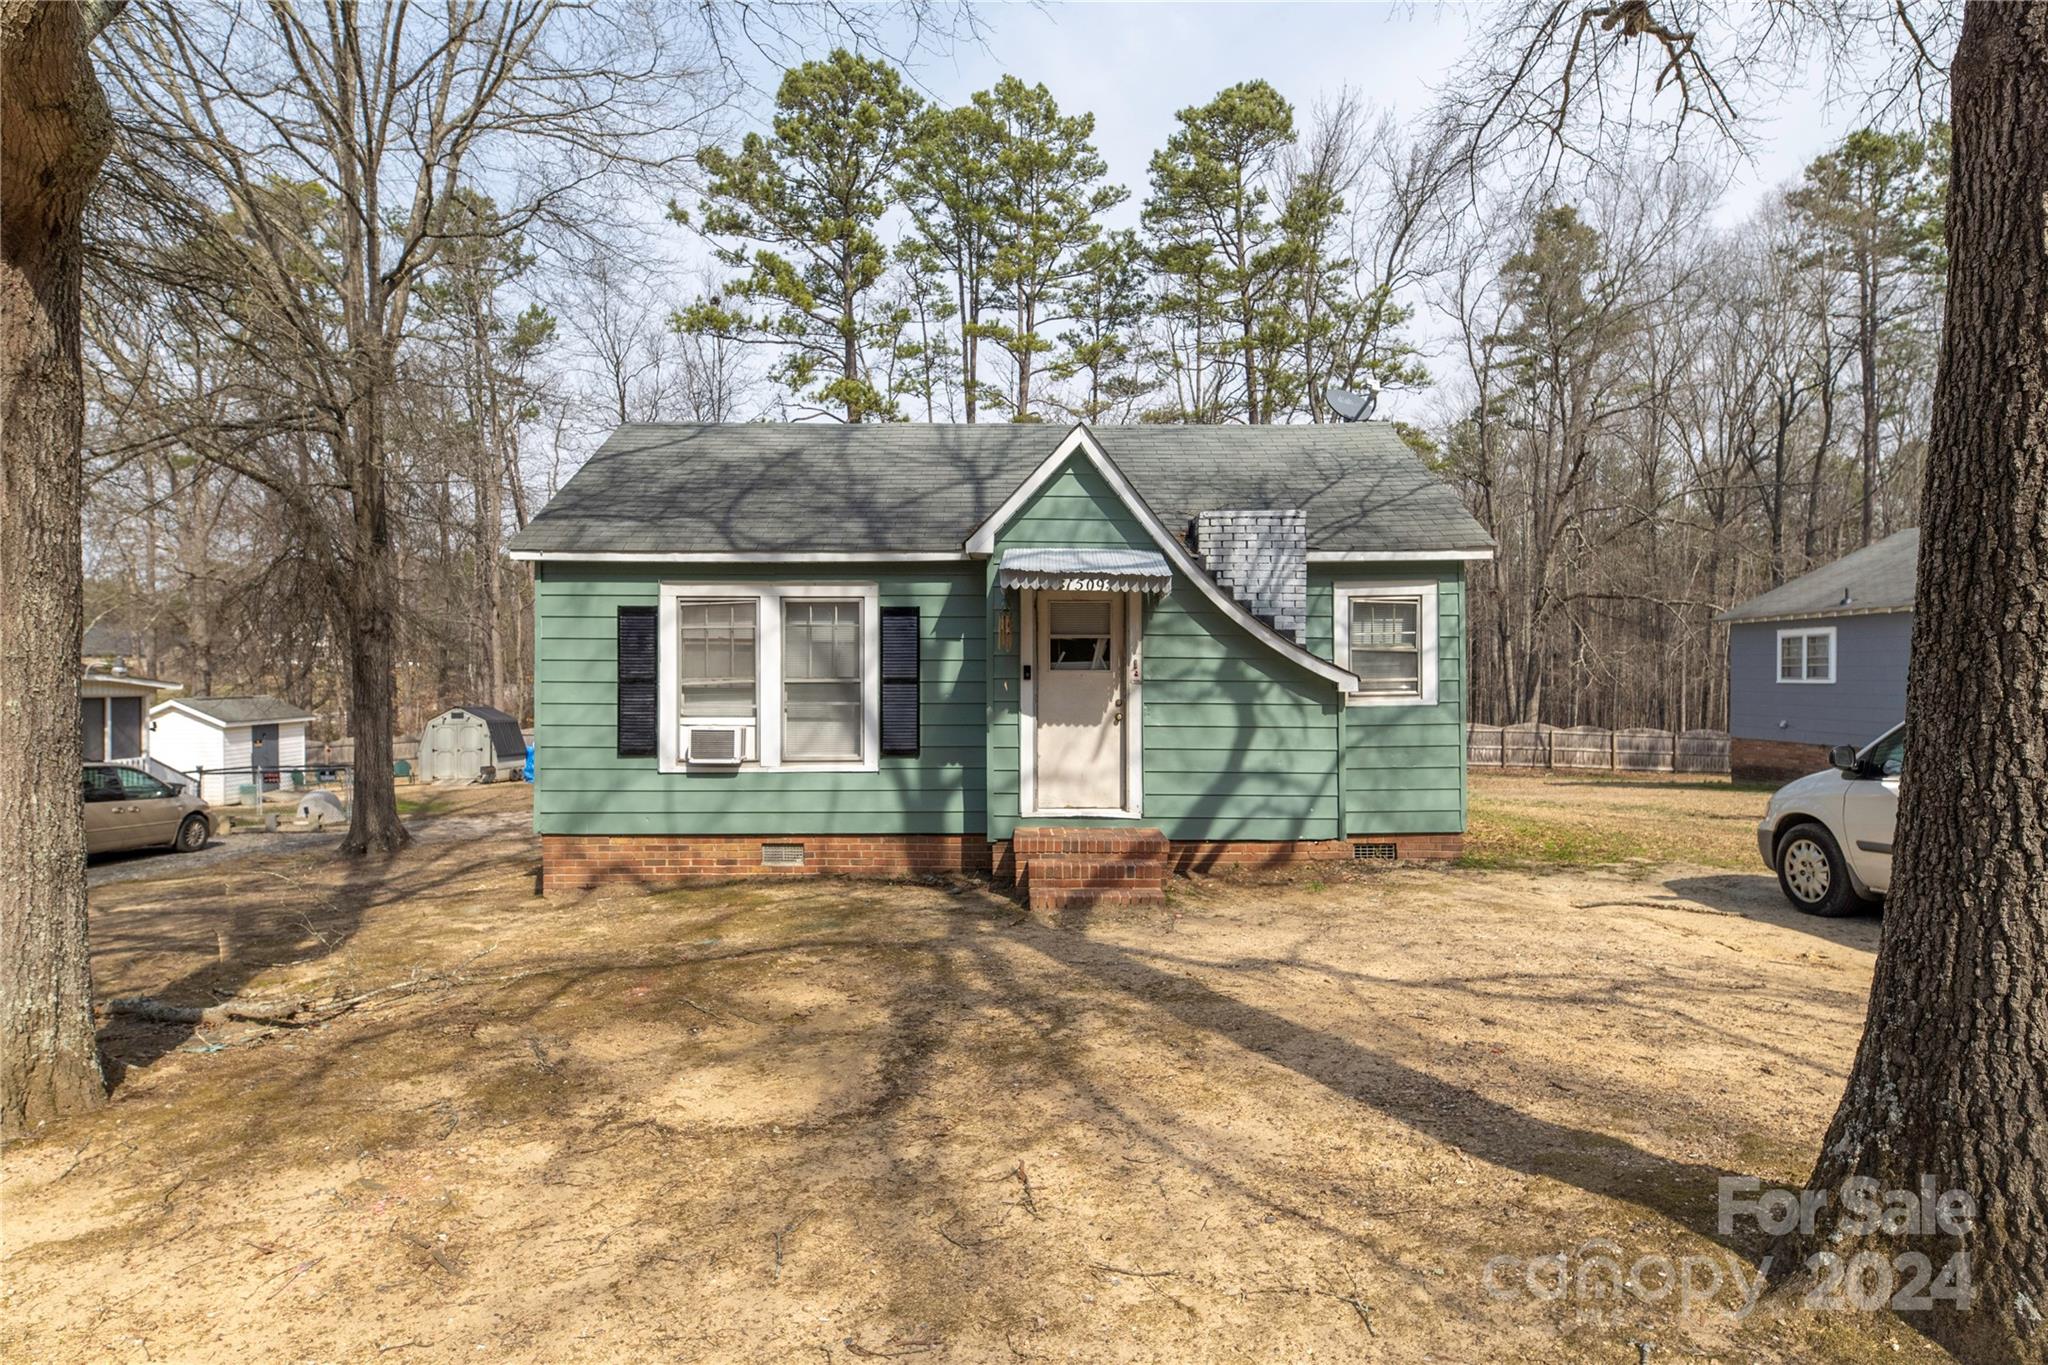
[{"x": 1588, "y": 747}]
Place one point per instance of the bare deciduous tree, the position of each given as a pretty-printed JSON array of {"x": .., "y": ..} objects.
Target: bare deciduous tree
[
  {"x": 1950, "y": 1084},
  {"x": 300, "y": 167},
  {"x": 54, "y": 132}
]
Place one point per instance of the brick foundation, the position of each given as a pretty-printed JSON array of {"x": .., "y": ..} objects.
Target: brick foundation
[
  {"x": 580, "y": 862},
  {"x": 1773, "y": 760}
]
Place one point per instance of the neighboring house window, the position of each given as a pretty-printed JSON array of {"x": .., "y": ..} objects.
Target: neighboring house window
[
  {"x": 1806, "y": 656},
  {"x": 795, "y": 666},
  {"x": 821, "y": 676},
  {"x": 1386, "y": 633}
]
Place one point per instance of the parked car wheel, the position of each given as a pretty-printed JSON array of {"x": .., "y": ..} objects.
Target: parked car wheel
[
  {"x": 1813, "y": 875},
  {"x": 192, "y": 834}
]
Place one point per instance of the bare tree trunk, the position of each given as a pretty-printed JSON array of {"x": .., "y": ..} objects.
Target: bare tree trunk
[
  {"x": 370, "y": 628},
  {"x": 1951, "y": 1080},
  {"x": 1866, "y": 353},
  {"x": 54, "y": 132}
]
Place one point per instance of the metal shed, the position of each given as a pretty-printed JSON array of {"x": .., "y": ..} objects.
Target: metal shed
[{"x": 458, "y": 744}]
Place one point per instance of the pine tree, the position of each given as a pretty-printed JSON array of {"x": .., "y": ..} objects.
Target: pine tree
[
  {"x": 1050, "y": 196},
  {"x": 1107, "y": 303},
  {"x": 949, "y": 186},
  {"x": 1217, "y": 237},
  {"x": 802, "y": 207},
  {"x": 1873, "y": 209}
]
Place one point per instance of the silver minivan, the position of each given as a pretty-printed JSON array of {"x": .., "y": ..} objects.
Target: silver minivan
[
  {"x": 1828, "y": 836},
  {"x": 127, "y": 808}
]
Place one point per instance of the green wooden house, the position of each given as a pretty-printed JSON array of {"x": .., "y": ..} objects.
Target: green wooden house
[{"x": 1079, "y": 658}]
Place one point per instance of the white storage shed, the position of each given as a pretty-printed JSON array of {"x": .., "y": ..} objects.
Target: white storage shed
[
  {"x": 458, "y": 744},
  {"x": 227, "y": 743}
]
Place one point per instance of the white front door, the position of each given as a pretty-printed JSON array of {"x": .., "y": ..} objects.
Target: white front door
[{"x": 1079, "y": 754}]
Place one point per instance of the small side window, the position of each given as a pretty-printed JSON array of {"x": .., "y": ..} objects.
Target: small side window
[{"x": 1806, "y": 655}]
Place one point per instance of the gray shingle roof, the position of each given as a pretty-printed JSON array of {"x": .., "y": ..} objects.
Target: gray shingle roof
[
  {"x": 244, "y": 710},
  {"x": 784, "y": 488},
  {"x": 1878, "y": 577}
]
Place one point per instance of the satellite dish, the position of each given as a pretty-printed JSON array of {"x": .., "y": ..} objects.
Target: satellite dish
[{"x": 1352, "y": 407}]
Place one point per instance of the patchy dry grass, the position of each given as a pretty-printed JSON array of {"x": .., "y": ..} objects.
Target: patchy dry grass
[
  {"x": 433, "y": 798},
  {"x": 1539, "y": 819},
  {"x": 836, "y": 1121}
]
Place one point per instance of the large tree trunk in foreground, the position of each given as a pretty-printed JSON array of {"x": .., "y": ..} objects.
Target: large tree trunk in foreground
[
  {"x": 54, "y": 132},
  {"x": 369, "y": 632},
  {"x": 1951, "y": 1081}
]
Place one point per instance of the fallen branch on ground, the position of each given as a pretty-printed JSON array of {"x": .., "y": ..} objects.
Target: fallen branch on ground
[
  {"x": 293, "y": 1013},
  {"x": 249, "y": 1011}
]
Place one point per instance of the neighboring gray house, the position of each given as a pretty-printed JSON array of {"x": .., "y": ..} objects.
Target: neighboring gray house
[{"x": 1821, "y": 661}]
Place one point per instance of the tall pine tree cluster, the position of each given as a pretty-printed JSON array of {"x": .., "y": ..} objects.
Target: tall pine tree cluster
[{"x": 1004, "y": 294}]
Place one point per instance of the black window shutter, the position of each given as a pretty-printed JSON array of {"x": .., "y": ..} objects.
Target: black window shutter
[
  {"x": 639, "y": 664},
  {"x": 899, "y": 680}
]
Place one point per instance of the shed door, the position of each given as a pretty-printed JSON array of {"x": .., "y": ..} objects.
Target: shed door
[
  {"x": 1079, "y": 758},
  {"x": 475, "y": 740},
  {"x": 263, "y": 755}
]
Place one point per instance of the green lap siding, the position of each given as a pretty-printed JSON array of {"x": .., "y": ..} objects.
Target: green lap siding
[
  {"x": 582, "y": 786},
  {"x": 1404, "y": 766},
  {"x": 1239, "y": 743}
]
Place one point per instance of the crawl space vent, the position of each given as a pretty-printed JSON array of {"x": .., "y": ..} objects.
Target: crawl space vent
[
  {"x": 782, "y": 855},
  {"x": 1373, "y": 853}
]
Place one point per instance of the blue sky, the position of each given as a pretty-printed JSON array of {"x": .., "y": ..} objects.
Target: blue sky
[{"x": 1135, "y": 65}]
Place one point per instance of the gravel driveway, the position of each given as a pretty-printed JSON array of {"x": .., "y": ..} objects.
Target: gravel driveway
[{"x": 142, "y": 864}]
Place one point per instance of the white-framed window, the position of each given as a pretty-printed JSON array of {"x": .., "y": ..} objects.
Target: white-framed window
[
  {"x": 716, "y": 667},
  {"x": 795, "y": 668},
  {"x": 1386, "y": 633},
  {"x": 1806, "y": 655}
]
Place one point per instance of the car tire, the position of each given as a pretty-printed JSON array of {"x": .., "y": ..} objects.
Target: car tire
[
  {"x": 1813, "y": 874},
  {"x": 192, "y": 834}
]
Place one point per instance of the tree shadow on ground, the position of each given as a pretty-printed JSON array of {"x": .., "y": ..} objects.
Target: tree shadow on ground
[
  {"x": 1684, "y": 1192},
  {"x": 252, "y": 937},
  {"x": 1755, "y": 896}
]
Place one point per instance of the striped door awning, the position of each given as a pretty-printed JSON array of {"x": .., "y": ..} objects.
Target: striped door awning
[{"x": 1085, "y": 570}]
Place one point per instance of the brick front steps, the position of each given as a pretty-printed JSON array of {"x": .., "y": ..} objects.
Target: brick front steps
[{"x": 1067, "y": 869}]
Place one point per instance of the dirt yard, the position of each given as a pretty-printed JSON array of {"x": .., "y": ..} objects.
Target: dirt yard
[{"x": 826, "y": 1121}]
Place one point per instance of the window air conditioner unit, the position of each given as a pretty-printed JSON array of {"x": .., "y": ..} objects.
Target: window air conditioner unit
[{"x": 715, "y": 746}]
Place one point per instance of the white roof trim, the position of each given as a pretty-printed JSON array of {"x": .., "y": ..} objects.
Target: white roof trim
[
  {"x": 746, "y": 556},
  {"x": 217, "y": 723},
  {"x": 1080, "y": 440},
  {"x": 100, "y": 678},
  {"x": 1818, "y": 614},
  {"x": 1392, "y": 556}
]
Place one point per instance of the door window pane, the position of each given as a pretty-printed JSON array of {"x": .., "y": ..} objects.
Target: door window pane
[
  {"x": 715, "y": 668},
  {"x": 821, "y": 682},
  {"x": 1386, "y": 651},
  {"x": 1077, "y": 637}
]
